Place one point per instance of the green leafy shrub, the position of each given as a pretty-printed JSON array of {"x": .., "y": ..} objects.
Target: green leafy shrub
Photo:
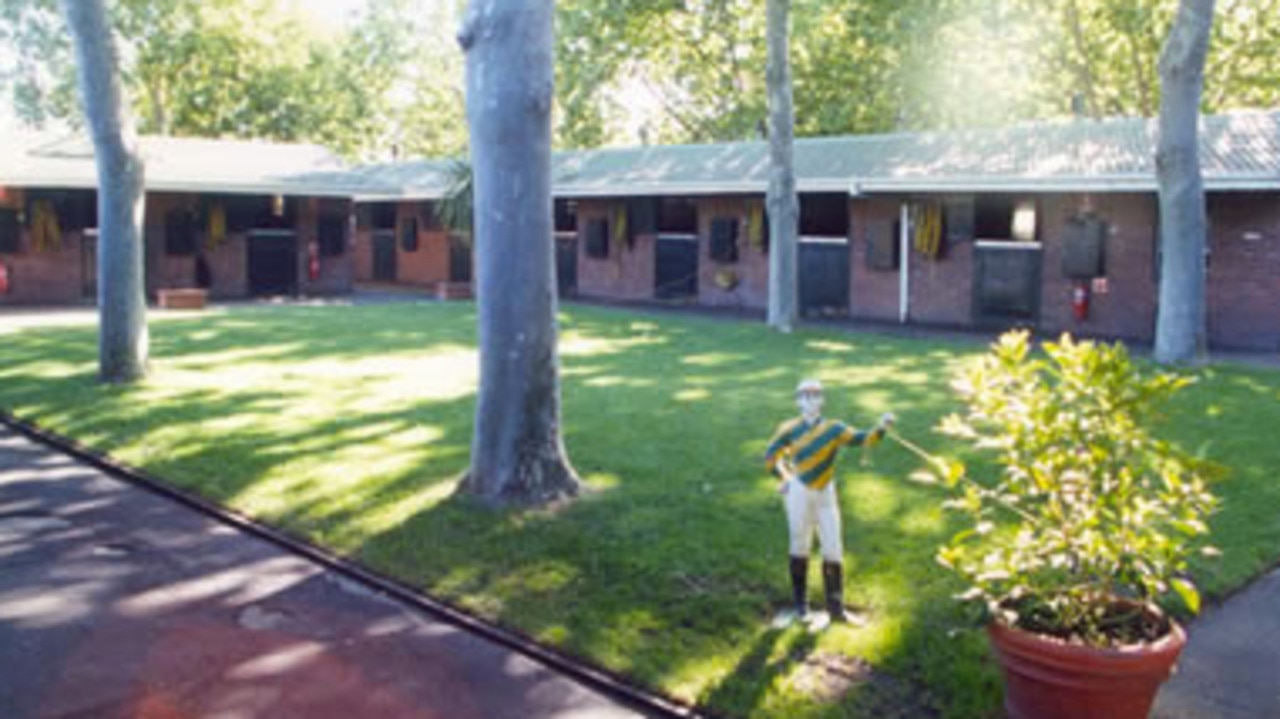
[{"x": 1087, "y": 529}]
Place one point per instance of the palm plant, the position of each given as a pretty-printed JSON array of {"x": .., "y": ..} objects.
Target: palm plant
[{"x": 455, "y": 209}]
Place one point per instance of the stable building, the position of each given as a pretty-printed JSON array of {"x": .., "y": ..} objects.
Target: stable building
[
  {"x": 1051, "y": 226},
  {"x": 238, "y": 219},
  {"x": 399, "y": 238}
]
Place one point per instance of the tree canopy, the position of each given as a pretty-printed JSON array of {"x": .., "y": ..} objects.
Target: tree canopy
[
  {"x": 880, "y": 65},
  {"x": 637, "y": 70},
  {"x": 259, "y": 69}
]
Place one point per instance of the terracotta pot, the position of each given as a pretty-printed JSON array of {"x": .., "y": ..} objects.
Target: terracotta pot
[{"x": 1046, "y": 678}]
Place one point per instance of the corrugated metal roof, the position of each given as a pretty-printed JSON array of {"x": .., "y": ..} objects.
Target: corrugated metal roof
[
  {"x": 188, "y": 165},
  {"x": 1239, "y": 151},
  {"x": 414, "y": 179}
]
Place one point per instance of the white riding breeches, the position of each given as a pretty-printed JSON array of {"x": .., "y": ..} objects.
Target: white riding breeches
[{"x": 809, "y": 509}]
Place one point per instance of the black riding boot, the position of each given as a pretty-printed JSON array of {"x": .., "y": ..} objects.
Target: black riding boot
[
  {"x": 800, "y": 584},
  {"x": 833, "y": 583}
]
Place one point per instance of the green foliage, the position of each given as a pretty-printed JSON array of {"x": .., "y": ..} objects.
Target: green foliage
[
  {"x": 880, "y": 65},
  {"x": 348, "y": 425},
  {"x": 455, "y": 210},
  {"x": 670, "y": 70},
  {"x": 1088, "y": 506},
  {"x": 258, "y": 69}
]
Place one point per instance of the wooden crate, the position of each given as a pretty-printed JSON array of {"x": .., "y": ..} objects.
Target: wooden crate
[{"x": 187, "y": 298}]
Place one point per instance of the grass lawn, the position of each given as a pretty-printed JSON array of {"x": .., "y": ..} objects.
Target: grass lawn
[{"x": 349, "y": 425}]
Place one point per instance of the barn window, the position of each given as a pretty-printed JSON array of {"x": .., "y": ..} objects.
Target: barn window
[
  {"x": 179, "y": 233},
  {"x": 677, "y": 216},
  {"x": 598, "y": 238},
  {"x": 958, "y": 215},
  {"x": 257, "y": 212},
  {"x": 724, "y": 240},
  {"x": 993, "y": 217},
  {"x": 566, "y": 216},
  {"x": 409, "y": 234},
  {"x": 381, "y": 215},
  {"x": 824, "y": 214},
  {"x": 78, "y": 210},
  {"x": 333, "y": 235},
  {"x": 9, "y": 237},
  {"x": 643, "y": 215}
]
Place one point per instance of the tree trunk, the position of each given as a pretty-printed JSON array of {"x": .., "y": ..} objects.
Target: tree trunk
[
  {"x": 517, "y": 452},
  {"x": 122, "y": 329},
  {"x": 1180, "y": 324},
  {"x": 784, "y": 206}
]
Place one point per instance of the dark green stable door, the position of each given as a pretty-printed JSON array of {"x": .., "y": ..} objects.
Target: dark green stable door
[
  {"x": 824, "y": 278},
  {"x": 676, "y": 267},
  {"x": 384, "y": 256},
  {"x": 273, "y": 262},
  {"x": 567, "y": 265}
]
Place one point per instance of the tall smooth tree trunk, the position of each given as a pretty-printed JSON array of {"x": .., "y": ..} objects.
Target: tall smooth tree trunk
[
  {"x": 122, "y": 308},
  {"x": 517, "y": 451},
  {"x": 784, "y": 206},
  {"x": 1180, "y": 323}
]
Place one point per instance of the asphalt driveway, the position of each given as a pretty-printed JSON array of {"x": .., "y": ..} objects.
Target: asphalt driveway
[{"x": 117, "y": 603}]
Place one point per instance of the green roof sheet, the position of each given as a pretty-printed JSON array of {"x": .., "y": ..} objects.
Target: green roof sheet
[
  {"x": 189, "y": 165},
  {"x": 1239, "y": 151}
]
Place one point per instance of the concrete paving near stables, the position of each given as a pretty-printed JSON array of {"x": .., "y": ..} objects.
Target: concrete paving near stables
[
  {"x": 117, "y": 603},
  {"x": 1231, "y": 666}
]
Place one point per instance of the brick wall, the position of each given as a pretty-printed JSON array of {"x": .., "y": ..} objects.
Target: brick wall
[
  {"x": 53, "y": 276},
  {"x": 752, "y": 267},
  {"x": 337, "y": 272},
  {"x": 873, "y": 294},
  {"x": 1127, "y": 309},
  {"x": 67, "y": 274},
  {"x": 625, "y": 276},
  {"x": 1244, "y": 271},
  {"x": 941, "y": 289},
  {"x": 430, "y": 262},
  {"x": 426, "y": 265},
  {"x": 362, "y": 254}
]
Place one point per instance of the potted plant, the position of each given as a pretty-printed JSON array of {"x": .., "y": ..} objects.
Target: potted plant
[{"x": 1078, "y": 542}]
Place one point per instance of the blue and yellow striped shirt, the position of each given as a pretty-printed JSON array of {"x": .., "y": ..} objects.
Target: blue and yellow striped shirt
[{"x": 811, "y": 448}]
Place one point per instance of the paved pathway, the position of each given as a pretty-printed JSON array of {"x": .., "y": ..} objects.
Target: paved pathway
[
  {"x": 1231, "y": 666},
  {"x": 116, "y": 603}
]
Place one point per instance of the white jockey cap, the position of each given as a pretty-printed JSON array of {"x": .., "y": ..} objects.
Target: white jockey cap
[{"x": 809, "y": 385}]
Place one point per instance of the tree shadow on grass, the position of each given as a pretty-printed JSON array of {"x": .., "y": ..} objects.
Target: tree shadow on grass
[{"x": 666, "y": 571}]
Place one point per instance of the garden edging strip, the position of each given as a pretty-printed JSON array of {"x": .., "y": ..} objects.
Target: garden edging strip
[{"x": 606, "y": 682}]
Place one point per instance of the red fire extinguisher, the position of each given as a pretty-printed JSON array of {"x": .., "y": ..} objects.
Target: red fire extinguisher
[
  {"x": 4, "y": 279},
  {"x": 1080, "y": 302},
  {"x": 313, "y": 261}
]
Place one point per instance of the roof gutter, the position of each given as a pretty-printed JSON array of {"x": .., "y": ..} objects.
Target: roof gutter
[
  {"x": 1032, "y": 186},
  {"x": 190, "y": 187}
]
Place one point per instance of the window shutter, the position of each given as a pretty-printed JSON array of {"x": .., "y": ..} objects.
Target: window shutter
[
  {"x": 959, "y": 218},
  {"x": 10, "y": 239},
  {"x": 724, "y": 240},
  {"x": 883, "y": 247},
  {"x": 333, "y": 236},
  {"x": 598, "y": 238},
  {"x": 409, "y": 234},
  {"x": 1084, "y": 248},
  {"x": 644, "y": 216},
  {"x": 179, "y": 233}
]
